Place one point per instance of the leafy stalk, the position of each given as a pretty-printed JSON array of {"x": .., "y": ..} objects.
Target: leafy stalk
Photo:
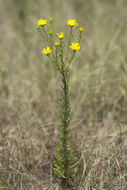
[{"x": 64, "y": 156}]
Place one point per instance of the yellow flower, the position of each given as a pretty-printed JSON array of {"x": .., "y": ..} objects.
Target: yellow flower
[
  {"x": 61, "y": 35},
  {"x": 75, "y": 46},
  {"x": 56, "y": 44},
  {"x": 47, "y": 50},
  {"x": 81, "y": 29},
  {"x": 71, "y": 22},
  {"x": 41, "y": 22}
]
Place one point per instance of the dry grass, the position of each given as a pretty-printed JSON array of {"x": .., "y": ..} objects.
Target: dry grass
[{"x": 29, "y": 102}]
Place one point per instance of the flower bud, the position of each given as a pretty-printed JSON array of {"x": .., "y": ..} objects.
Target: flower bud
[
  {"x": 77, "y": 25},
  {"x": 81, "y": 29},
  {"x": 56, "y": 44},
  {"x": 50, "y": 32},
  {"x": 51, "y": 19}
]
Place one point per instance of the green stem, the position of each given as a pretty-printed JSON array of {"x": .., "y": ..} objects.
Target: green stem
[
  {"x": 70, "y": 38},
  {"x": 61, "y": 53},
  {"x": 72, "y": 57},
  {"x": 46, "y": 34},
  {"x": 80, "y": 36},
  {"x": 65, "y": 119}
]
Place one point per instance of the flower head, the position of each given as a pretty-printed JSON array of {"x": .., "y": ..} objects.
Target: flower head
[
  {"x": 81, "y": 29},
  {"x": 41, "y": 22},
  {"x": 75, "y": 46},
  {"x": 71, "y": 22},
  {"x": 47, "y": 50},
  {"x": 56, "y": 44},
  {"x": 61, "y": 35}
]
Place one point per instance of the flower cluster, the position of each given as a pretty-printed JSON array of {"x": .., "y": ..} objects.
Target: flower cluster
[{"x": 58, "y": 51}]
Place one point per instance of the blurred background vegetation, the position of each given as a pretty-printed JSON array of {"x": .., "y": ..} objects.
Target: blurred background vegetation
[{"x": 29, "y": 93}]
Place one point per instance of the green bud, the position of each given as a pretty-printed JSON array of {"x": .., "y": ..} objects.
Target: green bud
[
  {"x": 51, "y": 19},
  {"x": 77, "y": 25},
  {"x": 50, "y": 32}
]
